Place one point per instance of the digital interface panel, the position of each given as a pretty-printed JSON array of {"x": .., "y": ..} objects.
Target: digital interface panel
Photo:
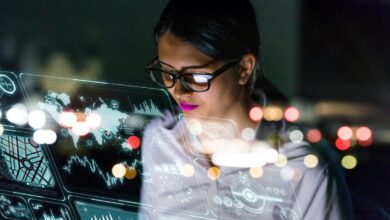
[{"x": 85, "y": 161}]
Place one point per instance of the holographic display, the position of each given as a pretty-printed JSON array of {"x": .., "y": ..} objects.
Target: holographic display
[
  {"x": 93, "y": 169},
  {"x": 242, "y": 196},
  {"x": 44, "y": 210},
  {"x": 13, "y": 207},
  {"x": 95, "y": 210},
  {"x": 25, "y": 161},
  {"x": 98, "y": 126}
]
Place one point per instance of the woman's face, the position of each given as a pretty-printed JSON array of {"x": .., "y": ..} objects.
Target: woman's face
[{"x": 225, "y": 91}]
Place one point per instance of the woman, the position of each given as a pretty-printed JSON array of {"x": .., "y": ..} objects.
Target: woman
[{"x": 207, "y": 57}]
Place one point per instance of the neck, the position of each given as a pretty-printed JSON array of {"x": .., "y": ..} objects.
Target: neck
[{"x": 239, "y": 113}]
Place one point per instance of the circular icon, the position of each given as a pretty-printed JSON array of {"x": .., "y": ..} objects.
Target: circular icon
[
  {"x": 27, "y": 164},
  {"x": 7, "y": 85},
  {"x": 250, "y": 196},
  {"x": 287, "y": 213},
  {"x": 114, "y": 104},
  {"x": 227, "y": 202}
]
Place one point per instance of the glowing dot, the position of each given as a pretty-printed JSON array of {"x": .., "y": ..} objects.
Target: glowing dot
[
  {"x": 342, "y": 144},
  {"x": 134, "y": 142},
  {"x": 271, "y": 155},
  {"x": 310, "y": 161},
  {"x": 296, "y": 136},
  {"x": 349, "y": 162},
  {"x": 93, "y": 120},
  {"x": 39, "y": 136},
  {"x": 118, "y": 170},
  {"x": 17, "y": 114},
  {"x": 314, "y": 135},
  {"x": 345, "y": 133},
  {"x": 282, "y": 161},
  {"x": 51, "y": 137},
  {"x": 291, "y": 114},
  {"x": 68, "y": 119},
  {"x": 187, "y": 170},
  {"x": 248, "y": 134},
  {"x": 80, "y": 128},
  {"x": 131, "y": 173},
  {"x": 195, "y": 127},
  {"x": 273, "y": 113},
  {"x": 37, "y": 119},
  {"x": 1, "y": 129},
  {"x": 287, "y": 173},
  {"x": 256, "y": 172},
  {"x": 256, "y": 113},
  {"x": 363, "y": 134},
  {"x": 213, "y": 173}
]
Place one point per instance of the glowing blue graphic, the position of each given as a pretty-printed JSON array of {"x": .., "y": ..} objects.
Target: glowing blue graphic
[
  {"x": 89, "y": 211},
  {"x": 51, "y": 216},
  {"x": 147, "y": 109},
  {"x": 94, "y": 168},
  {"x": 13, "y": 208},
  {"x": 55, "y": 103},
  {"x": 25, "y": 161},
  {"x": 7, "y": 85},
  {"x": 108, "y": 124},
  {"x": 50, "y": 211}
]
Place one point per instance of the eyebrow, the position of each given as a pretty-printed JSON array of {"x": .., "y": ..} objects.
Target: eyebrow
[{"x": 188, "y": 67}]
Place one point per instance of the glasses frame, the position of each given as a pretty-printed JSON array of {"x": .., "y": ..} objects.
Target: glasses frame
[{"x": 175, "y": 74}]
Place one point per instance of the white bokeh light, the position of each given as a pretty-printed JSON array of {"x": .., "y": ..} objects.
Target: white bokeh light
[
  {"x": 248, "y": 134},
  {"x": 68, "y": 119},
  {"x": 50, "y": 137},
  {"x": 296, "y": 136},
  {"x": 93, "y": 120},
  {"x": 271, "y": 155},
  {"x": 39, "y": 136},
  {"x": 37, "y": 119},
  {"x": 81, "y": 128},
  {"x": 287, "y": 173},
  {"x": 18, "y": 114},
  {"x": 118, "y": 170}
]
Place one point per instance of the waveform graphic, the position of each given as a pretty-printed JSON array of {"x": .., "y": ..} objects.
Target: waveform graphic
[
  {"x": 63, "y": 216},
  {"x": 147, "y": 109},
  {"x": 89, "y": 211},
  {"x": 137, "y": 163},
  {"x": 92, "y": 165},
  {"x": 106, "y": 217}
]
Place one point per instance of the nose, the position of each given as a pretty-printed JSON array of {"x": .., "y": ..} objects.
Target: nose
[{"x": 179, "y": 91}]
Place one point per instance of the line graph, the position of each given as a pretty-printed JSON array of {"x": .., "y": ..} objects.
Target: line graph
[
  {"x": 90, "y": 211},
  {"x": 64, "y": 215},
  {"x": 93, "y": 167},
  {"x": 147, "y": 108}
]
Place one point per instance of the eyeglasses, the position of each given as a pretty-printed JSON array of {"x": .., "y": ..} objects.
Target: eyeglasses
[{"x": 197, "y": 82}]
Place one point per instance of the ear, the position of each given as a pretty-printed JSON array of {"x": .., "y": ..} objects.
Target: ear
[{"x": 247, "y": 65}]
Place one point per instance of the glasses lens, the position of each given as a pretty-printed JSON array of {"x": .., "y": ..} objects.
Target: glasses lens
[
  {"x": 197, "y": 82},
  {"x": 163, "y": 79}
]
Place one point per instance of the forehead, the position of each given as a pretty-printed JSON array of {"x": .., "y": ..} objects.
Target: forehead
[{"x": 178, "y": 53}]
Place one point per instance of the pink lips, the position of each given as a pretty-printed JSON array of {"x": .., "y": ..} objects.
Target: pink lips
[{"x": 188, "y": 106}]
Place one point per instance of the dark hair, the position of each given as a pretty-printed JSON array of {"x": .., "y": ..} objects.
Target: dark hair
[{"x": 222, "y": 29}]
